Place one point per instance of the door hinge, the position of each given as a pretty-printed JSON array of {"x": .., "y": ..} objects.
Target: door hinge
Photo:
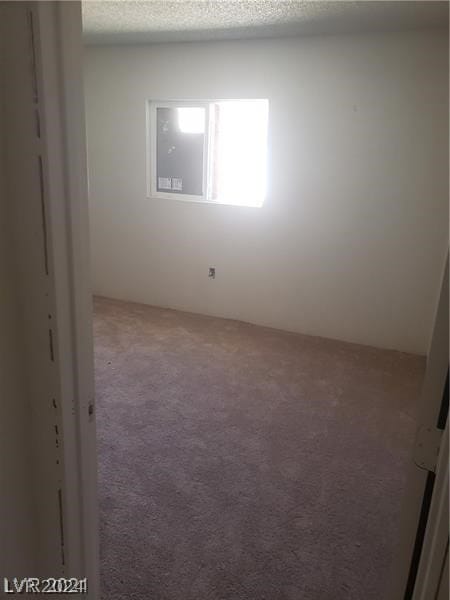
[{"x": 426, "y": 448}]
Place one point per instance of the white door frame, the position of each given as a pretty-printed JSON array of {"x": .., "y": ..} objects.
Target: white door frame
[
  {"x": 62, "y": 56},
  {"x": 432, "y": 575},
  {"x": 423, "y": 490},
  {"x": 69, "y": 24},
  {"x": 48, "y": 210}
]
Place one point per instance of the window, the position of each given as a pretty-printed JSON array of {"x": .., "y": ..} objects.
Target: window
[{"x": 208, "y": 151}]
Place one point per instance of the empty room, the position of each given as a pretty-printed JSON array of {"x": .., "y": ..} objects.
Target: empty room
[{"x": 268, "y": 207}]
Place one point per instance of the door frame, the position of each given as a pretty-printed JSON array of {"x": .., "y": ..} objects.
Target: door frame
[
  {"x": 432, "y": 575},
  {"x": 46, "y": 178},
  {"x": 69, "y": 25},
  {"x": 424, "y": 486}
]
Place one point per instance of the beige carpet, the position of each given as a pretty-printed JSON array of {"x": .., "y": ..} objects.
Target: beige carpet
[{"x": 238, "y": 462}]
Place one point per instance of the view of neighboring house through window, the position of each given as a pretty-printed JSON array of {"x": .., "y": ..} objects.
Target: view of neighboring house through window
[{"x": 209, "y": 151}]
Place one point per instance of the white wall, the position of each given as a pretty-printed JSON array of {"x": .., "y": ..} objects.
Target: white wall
[{"x": 350, "y": 243}]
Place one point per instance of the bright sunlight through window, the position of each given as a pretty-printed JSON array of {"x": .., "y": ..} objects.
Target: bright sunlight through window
[
  {"x": 191, "y": 119},
  {"x": 212, "y": 151}
]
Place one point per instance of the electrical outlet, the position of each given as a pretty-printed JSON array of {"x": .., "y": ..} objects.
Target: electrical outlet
[{"x": 212, "y": 272}]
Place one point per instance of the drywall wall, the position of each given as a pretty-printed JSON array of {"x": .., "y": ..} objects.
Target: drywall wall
[
  {"x": 17, "y": 527},
  {"x": 351, "y": 241}
]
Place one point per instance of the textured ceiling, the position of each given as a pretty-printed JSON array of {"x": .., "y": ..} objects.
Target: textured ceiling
[{"x": 106, "y": 22}]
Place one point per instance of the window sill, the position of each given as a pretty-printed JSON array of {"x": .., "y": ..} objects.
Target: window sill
[{"x": 209, "y": 202}]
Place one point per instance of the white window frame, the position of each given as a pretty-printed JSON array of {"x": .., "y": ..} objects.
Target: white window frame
[
  {"x": 150, "y": 162},
  {"x": 152, "y": 191}
]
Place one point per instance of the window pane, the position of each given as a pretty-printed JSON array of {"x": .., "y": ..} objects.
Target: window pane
[
  {"x": 238, "y": 152},
  {"x": 180, "y": 136}
]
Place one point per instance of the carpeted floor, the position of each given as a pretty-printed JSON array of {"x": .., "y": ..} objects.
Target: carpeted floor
[{"x": 243, "y": 463}]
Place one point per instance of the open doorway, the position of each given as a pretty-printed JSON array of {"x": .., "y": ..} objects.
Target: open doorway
[
  {"x": 253, "y": 415},
  {"x": 259, "y": 362}
]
